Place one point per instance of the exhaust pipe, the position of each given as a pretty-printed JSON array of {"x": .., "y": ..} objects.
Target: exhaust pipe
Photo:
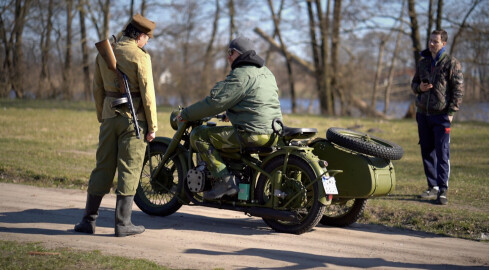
[{"x": 272, "y": 214}]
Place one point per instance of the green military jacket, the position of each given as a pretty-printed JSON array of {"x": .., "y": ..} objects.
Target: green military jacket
[
  {"x": 249, "y": 95},
  {"x": 136, "y": 64}
]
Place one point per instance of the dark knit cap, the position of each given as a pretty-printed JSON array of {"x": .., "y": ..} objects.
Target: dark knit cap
[
  {"x": 144, "y": 25},
  {"x": 242, "y": 44}
]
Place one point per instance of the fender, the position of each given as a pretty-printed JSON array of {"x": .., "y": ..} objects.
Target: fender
[
  {"x": 305, "y": 153},
  {"x": 183, "y": 156}
]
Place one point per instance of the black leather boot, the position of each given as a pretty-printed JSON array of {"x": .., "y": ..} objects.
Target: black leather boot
[
  {"x": 227, "y": 186},
  {"x": 87, "y": 225},
  {"x": 123, "y": 212}
]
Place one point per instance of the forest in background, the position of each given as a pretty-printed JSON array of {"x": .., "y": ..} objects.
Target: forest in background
[{"x": 344, "y": 53}]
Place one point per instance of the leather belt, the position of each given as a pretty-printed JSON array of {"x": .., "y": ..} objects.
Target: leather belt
[{"x": 119, "y": 95}]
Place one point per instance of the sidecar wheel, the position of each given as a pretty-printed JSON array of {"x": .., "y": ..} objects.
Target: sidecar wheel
[
  {"x": 365, "y": 144},
  {"x": 307, "y": 205},
  {"x": 159, "y": 197},
  {"x": 344, "y": 214}
]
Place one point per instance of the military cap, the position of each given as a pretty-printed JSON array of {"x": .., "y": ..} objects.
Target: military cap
[{"x": 142, "y": 24}]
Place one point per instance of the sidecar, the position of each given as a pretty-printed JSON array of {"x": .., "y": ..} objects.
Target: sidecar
[{"x": 367, "y": 171}]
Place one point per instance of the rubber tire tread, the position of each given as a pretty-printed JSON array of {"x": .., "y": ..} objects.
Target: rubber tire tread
[
  {"x": 348, "y": 218},
  {"x": 140, "y": 198},
  {"x": 313, "y": 217},
  {"x": 377, "y": 147}
]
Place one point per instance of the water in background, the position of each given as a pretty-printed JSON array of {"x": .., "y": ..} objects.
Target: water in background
[{"x": 397, "y": 109}]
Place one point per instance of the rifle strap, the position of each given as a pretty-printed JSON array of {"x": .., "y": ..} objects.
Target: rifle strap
[{"x": 119, "y": 95}]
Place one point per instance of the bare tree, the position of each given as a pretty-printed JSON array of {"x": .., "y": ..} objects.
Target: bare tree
[
  {"x": 380, "y": 66},
  {"x": 45, "y": 78},
  {"x": 430, "y": 21},
  {"x": 14, "y": 51},
  {"x": 475, "y": 3},
  {"x": 102, "y": 31},
  {"x": 320, "y": 55},
  {"x": 232, "y": 28},
  {"x": 439, "y": 14},
  {"x": 84, "y": 50},
  {"x": 335, "y": 46},
  {"x": 393, "y": 62},
  {"x": 411, "y": 113},
  {"x": 208, "y": 51},
  {"x": 287, "y": 57},
  {"x": 68, "y": 53}
]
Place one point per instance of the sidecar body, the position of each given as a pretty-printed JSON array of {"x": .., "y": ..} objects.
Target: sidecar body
[{"x": 363, "y": 176}]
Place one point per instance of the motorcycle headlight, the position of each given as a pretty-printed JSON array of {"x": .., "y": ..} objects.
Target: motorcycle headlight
[{"x": 173, "y": 119}]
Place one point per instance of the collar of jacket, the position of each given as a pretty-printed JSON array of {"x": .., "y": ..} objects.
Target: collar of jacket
[
  {"x": 248, "y": 58},
  {"x": 439, "y": 56}
]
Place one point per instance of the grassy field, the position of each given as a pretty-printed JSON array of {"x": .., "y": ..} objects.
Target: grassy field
[
  {"x": 35, "y": 256},
  {"x": 53, "y": 143}
]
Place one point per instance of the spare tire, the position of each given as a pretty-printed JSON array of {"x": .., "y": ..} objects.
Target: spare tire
[{"x": 364, "y": 143}]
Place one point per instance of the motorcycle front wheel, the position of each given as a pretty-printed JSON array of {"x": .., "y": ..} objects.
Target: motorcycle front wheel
[
  {"x": 295, "y": 179},
  {"x": 342, "y": 214},
  {"x": 158, "y": 195}
]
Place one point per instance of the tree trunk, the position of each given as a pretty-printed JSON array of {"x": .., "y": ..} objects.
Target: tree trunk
[
  {"x": 84, "y": 49},
  {"x": 5, "y": 68},
  {"x": 208, "y": 51},
  {"x": 335, "y": 45},
  {"x": 287, "y": 59},
  {"x": 68, "y": 53},
  {"x": 106, "y": 11},
  {"x": 317, "y": 63},
  {"x": 411, "y": 113},
  {"x": 279, "y": 18},
  {"x": 326, "y": 77},
  {"x": 430, "y": 22},
  {"x": 16, "y": 79},
  {"x": 143, "y": 7},
  {"x": 232, "y": 28},
  {"x": 393, "y": 62},
  {"x": 45, "y": 78},
  {"x": 380, "y": 66},
  {"x": 439, "y": 14}
]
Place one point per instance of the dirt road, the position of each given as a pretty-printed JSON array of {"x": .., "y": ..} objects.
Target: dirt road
[{"x": 204, "y": 238}]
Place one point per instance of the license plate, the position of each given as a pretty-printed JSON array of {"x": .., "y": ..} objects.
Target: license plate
[{"x": 329, "y": 185}]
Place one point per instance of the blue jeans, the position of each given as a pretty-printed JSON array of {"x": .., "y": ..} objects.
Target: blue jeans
[{"x": 434, "y": 139}]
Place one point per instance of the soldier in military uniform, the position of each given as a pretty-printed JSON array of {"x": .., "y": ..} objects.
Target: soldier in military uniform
[
  {"x": 119, "y": 148},
  {"x": 249, "y": 95}
]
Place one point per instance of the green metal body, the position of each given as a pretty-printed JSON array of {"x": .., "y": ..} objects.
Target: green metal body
[
  {"x": 184, "y": 155},
  {"x": 363, "y": 176}
]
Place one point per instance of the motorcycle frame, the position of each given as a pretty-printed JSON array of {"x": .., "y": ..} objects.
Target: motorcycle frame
[{"x": 175, "y": 148}]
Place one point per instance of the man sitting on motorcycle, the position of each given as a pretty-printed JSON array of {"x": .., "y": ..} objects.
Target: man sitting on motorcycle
[{"x": 249, "y": 95}]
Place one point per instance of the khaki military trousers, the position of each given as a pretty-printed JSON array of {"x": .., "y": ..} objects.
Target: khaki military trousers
[
  {"x": 120, "y": 150},
  {"x": 210, "y": 141}
]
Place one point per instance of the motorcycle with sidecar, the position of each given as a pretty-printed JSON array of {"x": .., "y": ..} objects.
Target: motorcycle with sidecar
[
  {"x": 286, "y": 185},
  {"x": 292, "y": 186}
]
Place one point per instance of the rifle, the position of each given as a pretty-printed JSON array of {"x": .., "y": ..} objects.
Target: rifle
[{"x": 105, "y": 50}]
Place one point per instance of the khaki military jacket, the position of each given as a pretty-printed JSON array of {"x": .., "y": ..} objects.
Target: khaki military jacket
[{"x": 136, "y": 64}]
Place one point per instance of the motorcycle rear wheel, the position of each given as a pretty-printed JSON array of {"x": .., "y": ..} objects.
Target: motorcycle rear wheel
[
  {"x": 345, "y": 213},
  {"x": 309, "y": 209},
  {"x": 158, "y": 196}
]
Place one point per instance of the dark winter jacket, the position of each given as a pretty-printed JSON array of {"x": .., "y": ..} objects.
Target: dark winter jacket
[{"x": 448, "y": 84}]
